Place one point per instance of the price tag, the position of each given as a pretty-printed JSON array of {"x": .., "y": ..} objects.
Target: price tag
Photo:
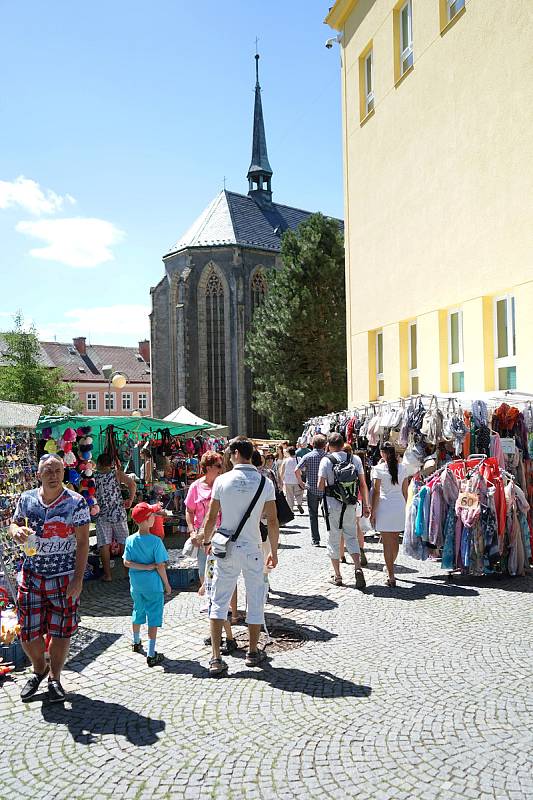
[
  {"x": 508, "y": 446},
  {"x": 468, "y": 500}
]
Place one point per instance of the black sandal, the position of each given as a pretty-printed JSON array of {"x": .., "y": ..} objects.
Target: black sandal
[
  {"x": 229, "y": 647},
  {"x": 217, "y": 667}
]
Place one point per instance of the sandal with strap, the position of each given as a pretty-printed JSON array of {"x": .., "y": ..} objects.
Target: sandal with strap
[
  {"x": 391, "y": 583},
  {"x": 336, "y": 580},
  {"x": 217, "y": 667}
]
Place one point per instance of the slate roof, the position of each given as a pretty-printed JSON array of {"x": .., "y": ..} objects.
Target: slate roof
[
  {"x": 80, "y": 368},
  {"x": 236, "y": 219}
]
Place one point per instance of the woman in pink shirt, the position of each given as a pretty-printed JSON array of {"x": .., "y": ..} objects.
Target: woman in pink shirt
[{"x": 198, "y": 499}]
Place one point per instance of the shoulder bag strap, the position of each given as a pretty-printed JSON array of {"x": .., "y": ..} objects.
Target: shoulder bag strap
[{"x": 249, "y": 510}]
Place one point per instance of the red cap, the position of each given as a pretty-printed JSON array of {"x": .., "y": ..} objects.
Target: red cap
[{"x": 142, "y": 511}]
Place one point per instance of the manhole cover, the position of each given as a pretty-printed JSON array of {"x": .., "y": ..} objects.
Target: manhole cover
[{"x": 282, "y": 638}]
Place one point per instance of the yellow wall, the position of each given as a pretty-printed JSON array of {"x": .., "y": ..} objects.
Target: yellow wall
[{"x": 438, "y": 186}]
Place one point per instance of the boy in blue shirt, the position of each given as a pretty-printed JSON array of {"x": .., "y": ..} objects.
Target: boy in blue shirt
[{"x": 145, "y": 556}]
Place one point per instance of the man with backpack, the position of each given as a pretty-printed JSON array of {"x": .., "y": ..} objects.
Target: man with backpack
[{"x": 342, "y": 476}]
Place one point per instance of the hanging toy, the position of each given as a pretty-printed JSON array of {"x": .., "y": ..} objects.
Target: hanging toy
[
  {"x": 51, "y": 446},
  {"x": 46, "y": 433},
  {"x": 67, "y": 447},
  {"x": 70, "y": 460},
  {"x": 69, "y": 435}
]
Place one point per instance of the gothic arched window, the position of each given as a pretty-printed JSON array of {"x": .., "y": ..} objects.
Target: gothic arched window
[
  {"x": 216, "y": 347},
  {"x": 259, "y": 290}
]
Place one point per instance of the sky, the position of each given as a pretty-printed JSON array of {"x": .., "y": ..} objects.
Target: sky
[{"x": 120, "y": 120}]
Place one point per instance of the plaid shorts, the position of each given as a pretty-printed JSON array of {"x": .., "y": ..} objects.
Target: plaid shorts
[
  {"x": 107, "y": 531},
  {"x": 43, "y": 607}
]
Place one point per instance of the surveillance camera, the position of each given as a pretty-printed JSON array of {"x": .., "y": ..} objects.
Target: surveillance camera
[{"x": 330, "y": 43}]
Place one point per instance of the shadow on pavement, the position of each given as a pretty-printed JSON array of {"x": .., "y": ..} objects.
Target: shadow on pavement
[
  {"x": 87, "y": 645},
  {"x": 314, "y": 602},
  {"x": 314, "y": 684},
  {"x": 88, "y": 719},
  {"x": 506, "y": 583},
  {"x": 419, "y": 591},
  {"x": 398, "y": 568},
  {"x": 289, "y": 546}
]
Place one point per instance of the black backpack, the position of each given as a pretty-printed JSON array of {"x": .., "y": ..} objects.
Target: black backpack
[{"x": 345, "y": 487}]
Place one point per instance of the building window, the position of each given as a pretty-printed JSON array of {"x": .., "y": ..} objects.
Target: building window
[
  {"x": 109, "y": 400},
  {"x": 127, "y": 399},
  {"x": 216, "y": 348},
  {"x": 142, "y": 401},
  {"x": 91, "y": 399},
  {"x": 455, "y": 350},
  {"x": 406, "y": 37},
  {"x": 379, "y": 365},
  {"x": 258, "y": 294},
  {"x": 366, "y": 82},
  {"x": 369, "y": 82},
  {"x": 505, "y": 341},
  {"x": 454, "y": 6},
  {"x": 413, "y": 358}
]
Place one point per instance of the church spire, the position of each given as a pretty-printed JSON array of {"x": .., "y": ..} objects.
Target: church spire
[{"x": 260, "y": 172}]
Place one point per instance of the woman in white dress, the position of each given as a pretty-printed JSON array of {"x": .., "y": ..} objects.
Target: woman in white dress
[{"x": 390, "y": 480}]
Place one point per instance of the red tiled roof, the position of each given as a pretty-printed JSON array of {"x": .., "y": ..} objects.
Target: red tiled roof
[{"x": 78, "y": 368}]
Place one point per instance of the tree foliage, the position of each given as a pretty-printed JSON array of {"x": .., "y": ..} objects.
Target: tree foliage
[
  {"x": 296, "y": 347},
  {"x": 23, "y": 379}
]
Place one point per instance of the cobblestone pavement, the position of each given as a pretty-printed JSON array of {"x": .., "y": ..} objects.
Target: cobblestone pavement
[{"x": 421, "y": 692}]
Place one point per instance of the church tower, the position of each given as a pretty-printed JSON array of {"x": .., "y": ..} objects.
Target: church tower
[{"x": 260, "y": 172}]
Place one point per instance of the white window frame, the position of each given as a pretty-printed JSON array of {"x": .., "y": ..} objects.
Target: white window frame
[
  {"x": 413, "y": 370},
  {"x": 380, "y": 376},
  {"x": 459, "y": 365},
  {"x": 129, "y": 397},
  {"x": 508, "y": 360},
  {"x": 142, "y": 401},
  {"x": 369, "y": 93},
  {"x": 94, "y": 396},
  {"x": 459, "y": 5},
  {"x": 113, "y": 397},
  {"x": 406, "y": 48}
]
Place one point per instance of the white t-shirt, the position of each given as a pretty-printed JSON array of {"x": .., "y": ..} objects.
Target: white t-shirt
[
  {"x": 291, "y": 464},
  {"x": 235, "y": 491},
  {"x": 387, "y": 488},
  {"x": 325, "y": 470}
]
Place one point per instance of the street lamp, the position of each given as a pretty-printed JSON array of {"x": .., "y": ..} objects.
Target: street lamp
[{"x": 115, "y": 379}]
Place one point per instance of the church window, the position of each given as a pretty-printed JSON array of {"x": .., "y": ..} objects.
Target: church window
[
  {"x": 216, "y": 348},
  {"x": 259, "y": 290}
]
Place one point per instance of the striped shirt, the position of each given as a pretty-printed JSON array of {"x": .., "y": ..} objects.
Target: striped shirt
[{"x": 311, "y": 463}]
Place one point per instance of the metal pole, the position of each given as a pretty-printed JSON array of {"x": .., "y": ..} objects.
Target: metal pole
[{"x": 109, "y": 397}]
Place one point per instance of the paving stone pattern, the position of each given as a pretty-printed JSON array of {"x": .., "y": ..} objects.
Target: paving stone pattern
[{"x": 421, "y": 692}]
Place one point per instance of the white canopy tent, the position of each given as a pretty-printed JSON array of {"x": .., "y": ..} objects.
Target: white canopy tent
[{"x": 182, "y": 416}]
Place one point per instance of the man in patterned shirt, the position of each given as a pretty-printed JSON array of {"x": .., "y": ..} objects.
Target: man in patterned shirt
[
  {"x": 310, "y": 464},
  {"x": 51, "y": 579}
]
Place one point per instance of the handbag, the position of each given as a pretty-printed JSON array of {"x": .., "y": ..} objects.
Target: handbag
[
  {"x": 222, "y": 537},
  {"x": 283, "y": 509}
]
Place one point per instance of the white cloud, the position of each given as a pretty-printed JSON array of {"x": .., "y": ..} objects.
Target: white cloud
[
  {"x": 77, "y": 241},
  {"x": 117, "y": 324},
  {"x": 27, "y": 194}
]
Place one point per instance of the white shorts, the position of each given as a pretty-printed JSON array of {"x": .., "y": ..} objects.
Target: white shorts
[
  {"x": 107, "y": 531},
  {"x": 348, "y": 530},
  {"x": 248, "y": 559}
]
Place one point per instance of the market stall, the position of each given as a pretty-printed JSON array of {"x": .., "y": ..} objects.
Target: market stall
[
  {"x": 471, "y": 462},
  {"x": 18, "y": 472}
]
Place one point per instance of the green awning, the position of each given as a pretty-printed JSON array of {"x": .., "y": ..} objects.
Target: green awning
[{"x": 135, "y": 426}]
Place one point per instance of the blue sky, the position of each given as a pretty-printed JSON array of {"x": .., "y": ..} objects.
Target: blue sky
[{"x": 120, "y": 119}]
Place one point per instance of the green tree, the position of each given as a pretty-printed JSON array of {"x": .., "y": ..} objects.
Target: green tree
[
  {"x": 23, "y": 379},
  {"x": 296, "y": 347}
]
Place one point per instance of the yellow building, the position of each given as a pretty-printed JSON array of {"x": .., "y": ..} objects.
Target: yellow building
[{"x": 438, "y": 159}]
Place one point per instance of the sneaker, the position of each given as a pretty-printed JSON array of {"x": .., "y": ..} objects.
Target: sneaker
[
  {"x": 360, "y": 582},
  {"x": 155, "y": 660},
  {"x": 56, "y": 693},
  {"x": 229, "y": 647},
  {"x": 255, "y": 659},
  {"x": 31, "y": 687},
  {"x": 364, "y": 559},
  {"x": 137, "y": 647}
]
